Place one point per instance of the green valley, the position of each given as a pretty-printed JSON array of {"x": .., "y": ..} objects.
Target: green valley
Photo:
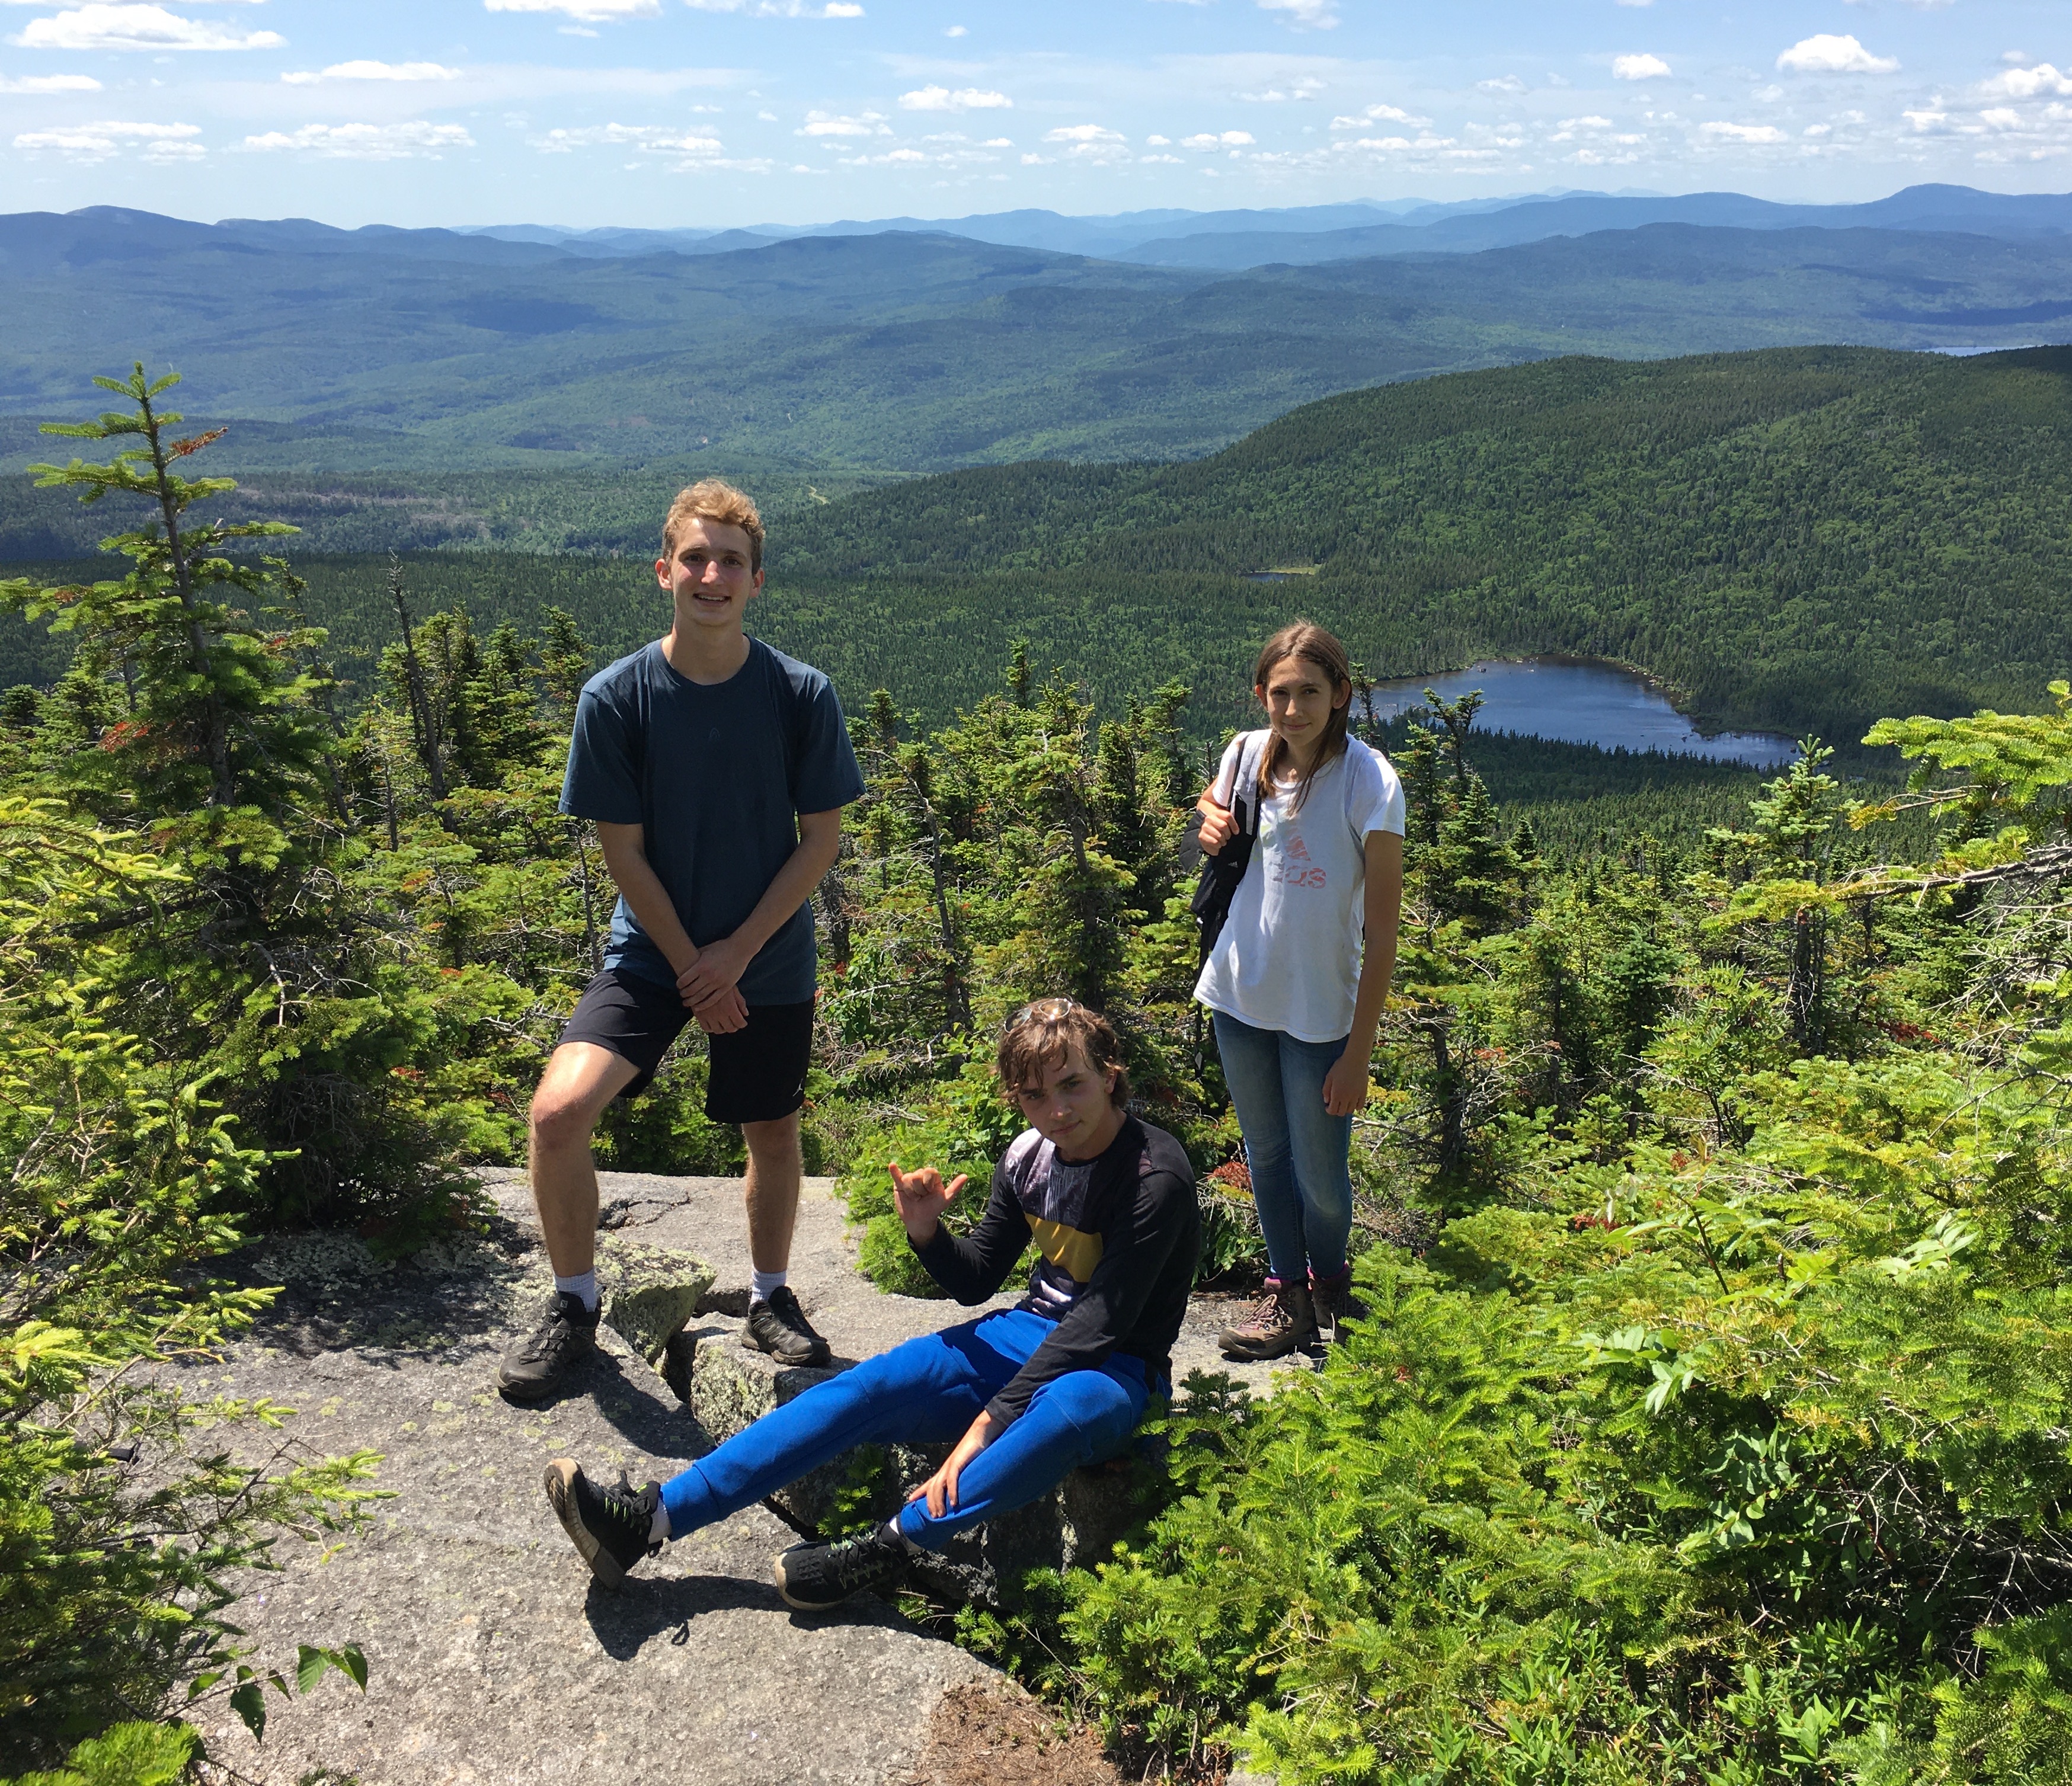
[{"x": 1798, "y": 539}]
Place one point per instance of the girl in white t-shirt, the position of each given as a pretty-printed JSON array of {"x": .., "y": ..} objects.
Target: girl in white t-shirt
[{"x": 1296, "y": 980}]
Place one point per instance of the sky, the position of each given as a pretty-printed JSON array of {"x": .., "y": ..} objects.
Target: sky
[{"x": 716, "y": 114}]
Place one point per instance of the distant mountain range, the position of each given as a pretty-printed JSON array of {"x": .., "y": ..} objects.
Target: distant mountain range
[
  {"x": 1239, "y": 239},
  {"x": 1211, "y": 240},
  {"x": 898, "y": 350}
]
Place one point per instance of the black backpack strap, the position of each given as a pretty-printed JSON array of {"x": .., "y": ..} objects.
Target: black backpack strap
[{"x": 1244, "y": 789}]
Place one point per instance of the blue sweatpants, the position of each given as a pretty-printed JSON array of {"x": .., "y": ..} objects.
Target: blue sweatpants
[{"x": 927, "y": 1391}]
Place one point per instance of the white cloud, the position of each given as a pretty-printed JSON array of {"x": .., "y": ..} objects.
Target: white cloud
[
  {"x": 365, "y": 142},
  {"x": 1503, "y": 83},
  {"x": 1208, "y": 139},
  {"x": 50, "y": 83},
  {"x": 831, "y": 124},
  {"x": 963, "y": 99},
  {"x": 1636, "y": 2},
  {"x": 1640, "y": 68},
  {"x": 1094, "y": 142},
  {"x": 780, "y": 9},
  {"x": 97, "y": 142},
  {"x": 1308, "y": 87},
  {"x": 1828, "y": 54},
  {"x": 589, "y": 12},
  {"x": 1426, "y": 144},
  {"x": 373, "y": 71},
  {"x": 1305, "y": 15},
  {"x": 116, "y": 27},
  {"x": 653, "y": 139},
  {"x": 1159, "y": 142},
  {"x": 957, "y": 31},
  {"x": 2029, "y": 84},
  {"x": 1742, "y": 132},
  {"x": 1376, "y": 113}
]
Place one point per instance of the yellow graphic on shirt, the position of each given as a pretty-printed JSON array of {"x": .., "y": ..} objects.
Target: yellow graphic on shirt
[{"x": 1075, "y": 1250}]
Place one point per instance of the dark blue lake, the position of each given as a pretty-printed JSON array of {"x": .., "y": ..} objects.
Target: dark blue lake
[{"x": 1576, "y": 703}]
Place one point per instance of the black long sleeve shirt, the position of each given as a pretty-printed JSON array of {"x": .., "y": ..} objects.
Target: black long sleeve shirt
[{"x": 1120, "y": 1236}]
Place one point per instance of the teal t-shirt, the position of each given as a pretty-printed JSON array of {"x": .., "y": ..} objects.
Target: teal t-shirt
[{"x": 716, "y": 777}]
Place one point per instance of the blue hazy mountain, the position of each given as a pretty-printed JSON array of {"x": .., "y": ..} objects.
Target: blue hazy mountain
[
  {"x": 906, "y": 351},
  {"x": 1237, "y": 239}
]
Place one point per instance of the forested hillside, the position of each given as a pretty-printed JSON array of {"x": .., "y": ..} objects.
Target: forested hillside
[
  {"x": 1798, "y": 539},
  {"x": 1801, "y": 539}
]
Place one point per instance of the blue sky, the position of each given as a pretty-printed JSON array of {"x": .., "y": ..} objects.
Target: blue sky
[{"x": 715, "y": 112}]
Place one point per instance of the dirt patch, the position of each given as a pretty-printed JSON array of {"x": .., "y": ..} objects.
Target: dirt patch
[{"x": 987, "y": 1735}]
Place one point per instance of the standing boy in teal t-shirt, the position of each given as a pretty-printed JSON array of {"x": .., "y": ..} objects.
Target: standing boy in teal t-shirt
[{"x": 715, "y": 770}]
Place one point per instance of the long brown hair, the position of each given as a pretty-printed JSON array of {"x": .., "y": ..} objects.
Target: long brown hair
[{"x": 1310, "y": 643}]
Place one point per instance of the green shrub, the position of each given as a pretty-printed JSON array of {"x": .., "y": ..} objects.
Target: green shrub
[
  {"x": 119, "y": 1535},
  {"x": 967, "y": 1128}
]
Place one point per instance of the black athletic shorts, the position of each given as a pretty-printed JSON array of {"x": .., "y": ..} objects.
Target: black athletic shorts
[{"x": 759, "y": 1073}]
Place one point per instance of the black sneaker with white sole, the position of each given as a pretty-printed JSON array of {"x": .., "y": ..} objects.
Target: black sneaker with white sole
[
  {"x": 611, "y": 1528},
  {"x": 533, "y": 1368},
  {"x": 780, "y": 1328},
  {"x": 814, "y": 1577}
]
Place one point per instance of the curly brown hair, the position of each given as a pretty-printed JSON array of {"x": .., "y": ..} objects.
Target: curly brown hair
[
  {"x": 1039, "y": 1034},
  {"x": 713, "y": 500}
]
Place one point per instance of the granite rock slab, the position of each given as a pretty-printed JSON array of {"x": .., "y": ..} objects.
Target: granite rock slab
[{"x": 493, "y": 1655}]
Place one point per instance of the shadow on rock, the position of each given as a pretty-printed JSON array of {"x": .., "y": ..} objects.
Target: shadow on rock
[
  {"x": 661, "y": 1428},
  {"x": 625, "y": 1621},
  {"x": 335, "y": 1292}
]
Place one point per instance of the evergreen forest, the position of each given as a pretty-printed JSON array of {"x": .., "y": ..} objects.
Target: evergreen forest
[
  {"x": 1708, "y": 1422},
  {"x": 1800, "y": 540}
]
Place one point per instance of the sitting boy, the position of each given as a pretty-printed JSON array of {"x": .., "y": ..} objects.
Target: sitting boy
[{"x": 1029, "y": 1394}]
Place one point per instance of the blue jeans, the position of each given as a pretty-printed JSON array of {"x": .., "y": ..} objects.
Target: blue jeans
[
  {"x": 927, "y": 1391},
  {"x": 1295, "y": 1148}
]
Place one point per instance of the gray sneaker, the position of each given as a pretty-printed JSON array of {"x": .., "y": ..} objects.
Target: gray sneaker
[
  {"x": 533, "y": 1368},
  {"x": 1284, "y": 1321},
  {"x": 814, "y": 1577},
  {"x": 780, "y": 1328},
  {"x": 609, "y": 1527}
]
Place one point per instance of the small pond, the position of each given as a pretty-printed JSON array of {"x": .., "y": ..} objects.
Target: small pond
[{"x": 1581, "y": 703}]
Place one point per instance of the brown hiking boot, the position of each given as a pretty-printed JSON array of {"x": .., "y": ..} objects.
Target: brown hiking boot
[
  {"x": 1335, "y": 1303},
  {"x": 1285, "y": 1320}
]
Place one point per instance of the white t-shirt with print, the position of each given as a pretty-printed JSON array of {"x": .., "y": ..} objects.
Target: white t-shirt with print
[{"x": 1288, "y": 957}]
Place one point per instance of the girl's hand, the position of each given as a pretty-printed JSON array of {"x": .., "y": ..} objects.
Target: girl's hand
[
  {"x": 1345, "y": 1086},
  {"x": 921, "y": 1197},
  {"x": 941, "y": 1488},
  {"x": 1219, "y": 823}
]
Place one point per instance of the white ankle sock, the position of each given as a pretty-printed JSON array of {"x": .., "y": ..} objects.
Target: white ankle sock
[
  {"x": 761, "y": 1284},
  {"x": 585, "y": 1287},
  {"x": 658, "y": 1532},
  {"x": 894, "y": 1529}
]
